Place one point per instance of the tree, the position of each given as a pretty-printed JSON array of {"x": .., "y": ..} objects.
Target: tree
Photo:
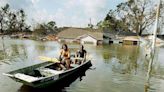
[
  {"x": 40, "y": 29},
  {"x": 134, "y": 15},
  {"x": 100, "y": 24},
  {"x": 138, "y": 15},
  {"x": 12, "y": 21},
  {"x": 46, "y": 28},
  {"x": 21, "y": 20},
  {"x": 90, "y": 26},
  {"x": 51, "y": 25},
  {"x": 3, "y": 14},
  {"x": 114, "y": 24},
  {"x": 110, "y": 21},
  {"x": 161, "y": 18},
  {"x": 1, "y": 19}
]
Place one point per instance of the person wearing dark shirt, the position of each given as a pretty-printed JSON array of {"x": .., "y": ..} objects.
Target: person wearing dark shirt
[{"x": 81, "y": 54}]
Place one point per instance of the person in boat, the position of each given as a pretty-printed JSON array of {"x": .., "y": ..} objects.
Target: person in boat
[
  {"x": 80, "y": 55},
  {"x": 64, "y": 56}
]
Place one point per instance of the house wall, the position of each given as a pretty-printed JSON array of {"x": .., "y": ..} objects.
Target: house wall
[
  {"x": 88, "y": 39},
  {"x": 129, "y": 42},
  {"x": 115, "y": 41},
  {"x": 99, "y": 42}
]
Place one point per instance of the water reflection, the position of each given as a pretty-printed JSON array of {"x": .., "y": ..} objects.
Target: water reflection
[
  {"x": 13, "y": 53},
  {"x": 118, "y": 67},
  {"x": 22, "y": 50},
  {"x": 40, "y": 48},
  {"x": 150, "y": 58},
  {"x": 125, "y": 58}
]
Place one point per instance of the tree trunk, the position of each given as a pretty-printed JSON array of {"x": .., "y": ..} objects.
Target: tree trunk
[
  {"x": 137, "y": 29},
  {"x": 1, "y": 28},
  {"x": 140, "y": 32}
]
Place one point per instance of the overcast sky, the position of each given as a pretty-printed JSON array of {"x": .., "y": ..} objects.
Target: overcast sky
[{"x": 64, "y": 12}]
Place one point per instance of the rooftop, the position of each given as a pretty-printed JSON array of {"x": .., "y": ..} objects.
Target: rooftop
[{"x": 72, "y": 33}]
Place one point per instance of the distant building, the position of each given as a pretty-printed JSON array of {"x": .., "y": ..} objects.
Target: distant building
[
  {"x": 150, "y": 38},
  {"x": 131, "y": 40},
  {"x": 88, "y": 39},
  {"x": 116, "y": 36},
  {"x": 81, "y": 35}
]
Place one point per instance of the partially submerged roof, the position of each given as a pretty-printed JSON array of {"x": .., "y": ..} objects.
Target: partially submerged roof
[
  {"x": 86, "y": 35},
  {"x": 158, "y": 40},
  {"x": 73, "y": 33},
  {"x": 120, "y": 33},
  {"x": 131, "y": 38}
]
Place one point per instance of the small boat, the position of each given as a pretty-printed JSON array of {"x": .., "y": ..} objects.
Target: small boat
[{"x": 44, "y": 74}]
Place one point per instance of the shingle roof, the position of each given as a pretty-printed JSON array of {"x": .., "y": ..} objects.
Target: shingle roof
[
  {"x": 73, "y": 33},
  {"x": 121, "y": 33},
  {"x": 131, "y": 38}
]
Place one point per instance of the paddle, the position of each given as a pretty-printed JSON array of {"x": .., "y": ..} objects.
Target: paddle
[
  {"x": 55, "y": 60},
  {"x": 44, "y": 58}
]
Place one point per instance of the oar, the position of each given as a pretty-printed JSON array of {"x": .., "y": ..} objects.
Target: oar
[{"x": 44, "y": 58}]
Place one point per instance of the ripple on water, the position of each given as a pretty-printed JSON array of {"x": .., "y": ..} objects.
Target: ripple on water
[{"x": 118, "y": 68}]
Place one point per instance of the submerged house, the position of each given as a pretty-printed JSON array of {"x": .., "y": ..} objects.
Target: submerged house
[
  {"x": 89, "y": 39},
  {"x": 80, "y": 35},
  {"x": 131, "y": 40},
  {"x": 117, "y": 36},
  {"x": 150, "y": 38}
]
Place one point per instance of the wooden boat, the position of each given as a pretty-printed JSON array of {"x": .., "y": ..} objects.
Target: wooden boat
[{"x": 44, "y": 74}]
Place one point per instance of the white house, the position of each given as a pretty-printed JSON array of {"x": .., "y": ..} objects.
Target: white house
[
  {"x": 88, "y": 39},
  {"x": 80, "y": 35}
]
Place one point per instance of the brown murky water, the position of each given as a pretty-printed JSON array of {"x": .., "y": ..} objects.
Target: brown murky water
[{"x": 116, "y": 68}]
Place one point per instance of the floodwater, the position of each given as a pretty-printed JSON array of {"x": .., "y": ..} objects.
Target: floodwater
[{"x": 115, "y": 68}]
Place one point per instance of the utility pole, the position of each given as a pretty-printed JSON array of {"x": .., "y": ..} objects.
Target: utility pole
[
  {"x": 90, "y": 21},
  {"x": 152, "y": 54}
]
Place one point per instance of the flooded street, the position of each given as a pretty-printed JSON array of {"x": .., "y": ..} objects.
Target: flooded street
[{"x": 115, "y": 68}]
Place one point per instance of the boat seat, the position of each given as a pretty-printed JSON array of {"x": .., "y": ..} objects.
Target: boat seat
[
  {"x": 74, "y": 65},
  {"x": 49, "y": 72},
  {"x": 25, "y": 77}
]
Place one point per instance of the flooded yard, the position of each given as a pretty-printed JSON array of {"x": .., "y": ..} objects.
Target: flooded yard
[{"x": 116, "y": 67}]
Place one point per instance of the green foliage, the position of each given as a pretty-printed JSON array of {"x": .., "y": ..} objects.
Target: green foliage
[
  {"x": 90, "y": 26},
  {"x": 11, "y": 21},
  {"x": 40, "y": 30},
  {"x": 45, "y": 28},
  {"x": 133, "y": 15}
]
